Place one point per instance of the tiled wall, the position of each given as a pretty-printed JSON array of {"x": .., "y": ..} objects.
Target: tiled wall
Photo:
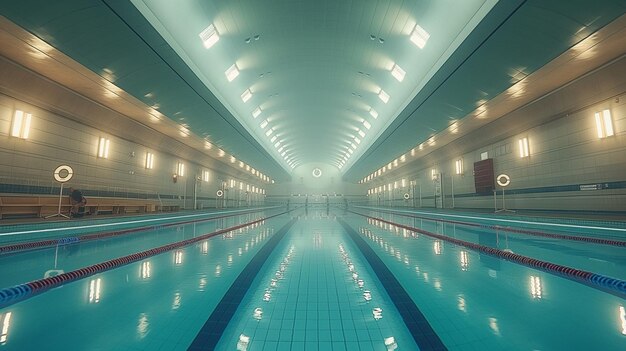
[
  {"x": 565, "y": 151},
  {"x": 55, "y": 140}
]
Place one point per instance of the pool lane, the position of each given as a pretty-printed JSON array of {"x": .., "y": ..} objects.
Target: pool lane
[
  {"x": 478, "y": 301},
  {"x": 606, "y": 260},
  {"x": 25, "y": 266},
  {"x": 311, "y": 295},
  {"x": 160, "y": 302}
]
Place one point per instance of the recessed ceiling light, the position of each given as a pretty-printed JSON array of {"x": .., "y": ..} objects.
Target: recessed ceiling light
[
  {"x": 383, "y": 96},
  {"x": 353, "y": 146},
  {"x": 232, "y": 72},
  {"x": 246, "y": 95},
  {"x": 273, "y": 139},
  {"x": 209, "y": 36},
  {"x": 350, "y": 151},
  {"x": 398, "y": 73},
  {"x": 358, "y": 141},
  {"x": 281, "y": 148},
  {"x": 277, "y": 144},
  {"x": 362, "y": 133},
  {"x": 367, "y": 124},
  {"x": 264, "y": 124},
  {"x": 373, "y": 113},
  {"x": 269, "y": 132},
  {"x": 419, "y": 36},
  {"x": 256, "y": 112}
]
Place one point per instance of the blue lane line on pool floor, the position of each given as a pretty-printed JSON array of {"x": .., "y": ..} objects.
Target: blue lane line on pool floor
[
  {"x": 423, "y": 334},
  {"x": 212, "y": 330}
]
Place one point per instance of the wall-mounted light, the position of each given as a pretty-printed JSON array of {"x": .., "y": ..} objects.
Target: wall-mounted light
[
  {"x": 604, "y": 124},
  {"x": 21, "y": 124},
  {"x": 149, "y": 160},
  {"x": 523, "y": 147},
  {"x": 458, "y": 165},
  {"x": 180, "y": 169},
  {"x": 103, "y": 148},
  {"x": 205, "y": 175}
]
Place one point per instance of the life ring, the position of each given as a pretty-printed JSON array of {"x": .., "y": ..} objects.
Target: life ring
[
  {"x": 63, "y": 178},
  {"x": 503, "y": 180}
]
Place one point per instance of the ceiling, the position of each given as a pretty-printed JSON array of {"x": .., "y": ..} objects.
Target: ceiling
[{"x": 316, "y": 68}]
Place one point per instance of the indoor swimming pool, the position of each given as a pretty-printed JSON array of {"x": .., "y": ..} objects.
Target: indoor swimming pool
[{"x": 313, "y": 279}]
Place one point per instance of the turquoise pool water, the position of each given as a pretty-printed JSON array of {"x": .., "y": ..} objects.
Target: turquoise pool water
[{"x": 299, "y": 292}]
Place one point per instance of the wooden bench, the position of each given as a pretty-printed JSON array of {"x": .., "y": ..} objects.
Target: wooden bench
[{"x": 41, "y": 206}]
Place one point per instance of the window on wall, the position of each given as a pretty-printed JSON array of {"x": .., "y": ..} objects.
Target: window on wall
[
  {"x": 149, "y": 160},
  {"x": 21, "y": 124},
  {"x": 523, "y": 147},
  {"x": 484, "y": 155},
  {"x": 458, "y": 166},
  {"x": 205, "y": 175},
  {"x": 180, "y": 169},
  {"x": 604, "y": 123},
  {"x": 433, "y": 174},
  {"x": 103, "y": 148}
]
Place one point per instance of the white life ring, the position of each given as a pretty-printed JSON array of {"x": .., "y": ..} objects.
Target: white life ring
[{"x": 63, "y": 178}]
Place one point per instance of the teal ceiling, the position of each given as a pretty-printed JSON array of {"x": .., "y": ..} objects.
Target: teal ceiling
[{"x": 316, "y": 68}]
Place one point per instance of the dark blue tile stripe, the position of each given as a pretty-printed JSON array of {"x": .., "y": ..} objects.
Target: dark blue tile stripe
[
  {"x": 211, "y": 332},
  {"x": 424, "y": 335}
]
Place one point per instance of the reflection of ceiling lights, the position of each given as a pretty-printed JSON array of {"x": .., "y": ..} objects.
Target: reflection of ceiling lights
[
  {"x": 419, "y": 36},
  {"x": 209, "y": 36}
]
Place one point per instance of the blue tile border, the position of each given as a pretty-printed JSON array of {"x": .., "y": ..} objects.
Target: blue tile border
[
  {"x": 423, "y": 334},
  {"x": 212, "y": 330}
]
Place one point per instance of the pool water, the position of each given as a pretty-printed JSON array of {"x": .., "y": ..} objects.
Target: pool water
[{"x": 300, "y": 292}]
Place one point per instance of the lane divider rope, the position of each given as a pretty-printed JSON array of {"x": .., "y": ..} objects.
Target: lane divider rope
[
  {"x": 74, "y": 239},
  {"x": 515, "y": 230},
  {"x": 607, "y": 284},
  {"x": 14, "y": 294}
]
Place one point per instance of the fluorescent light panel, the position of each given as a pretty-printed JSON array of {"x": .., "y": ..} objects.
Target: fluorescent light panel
[
  {"x": 149, "y": 160},
  {"x": 398, "y": 73},
  {"x": 103, "y": 148},
  {"x": 419, "y": 36},
  {"x": 373, "y": 113},
  {"x": 21, "y": 124},
  {"x": 383, "y": 96},
  {"x": 367, "y": 124},
  {"x": 246, "y": 95},
  {"x": 362, "y": 133},
  {"x": 256, "y": 112},
  {"x": 232, "y": 72},
  {"x": 604, "y": 123},
  {"x": 523, "y": 147},
  {"x": 264, "y": 124},
  {"x": 209, "y": 36},
  {"x": 458, "y": 165}
]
